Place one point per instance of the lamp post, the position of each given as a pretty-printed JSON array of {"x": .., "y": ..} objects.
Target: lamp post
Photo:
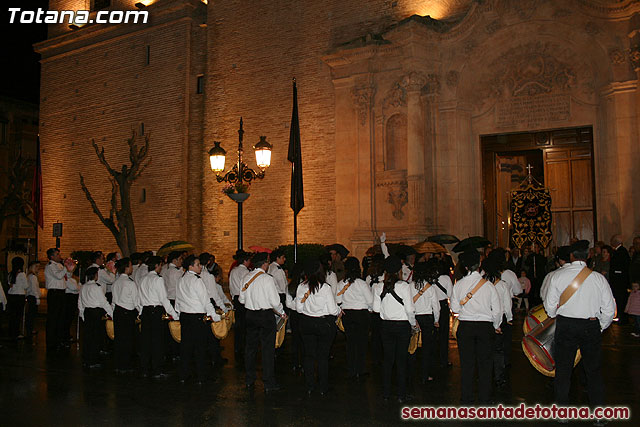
[{"x": 240, "y": 173}]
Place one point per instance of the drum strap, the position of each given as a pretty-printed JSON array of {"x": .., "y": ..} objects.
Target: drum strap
[
  {"x": 251, "y": 280},
  {"x": 422, "y": 291},
  {"x": 306, "y": 295},
  {"x": 573, "y": 286},
  {"x": 344, "y": 289},
  {"x": 473, "y": 291}
]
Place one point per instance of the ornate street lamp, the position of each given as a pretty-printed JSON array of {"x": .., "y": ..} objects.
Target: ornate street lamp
[{"x": 240, "y": 173}]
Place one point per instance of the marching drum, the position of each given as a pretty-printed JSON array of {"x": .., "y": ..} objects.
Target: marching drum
[
  {"x": 174, "y": 328},
  {"x": 221, "y": 328},
  {"x": 454, "y": 327},
  {"x": 108, "y": 325},
  {"x": 415, "y": 342},
  {"x": 535, "y": 316},
  {"x": 538, "y": 347},
  {"x": 280, "y": 331}
]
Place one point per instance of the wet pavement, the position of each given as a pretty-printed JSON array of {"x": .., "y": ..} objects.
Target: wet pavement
[{"x": 36, "y": 389}]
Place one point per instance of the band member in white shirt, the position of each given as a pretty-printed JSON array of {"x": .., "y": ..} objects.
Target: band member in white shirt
[
  {"x": 18, "y": 287},
  {"x": 215, "y": 297},
  {"x": 71, "y": 294},
  {"x": 443, "y": 289},
  {"x": 563, "y": 257},
  {"x": 427, "y": 307},
  {"x": 55, "y": 274},
  {"x": 480, "y": 315},
  {"x": 154, "y": 302},
  {"x": 126, "y": 307},
  {"x": 92, "y": 305},
  {"x": 398, "y": 319},
  {"x": 579, "y": 324},
  {"x": 260, "y": 297},
  {"x": 33, "y": 297},
  {"x": 192, "y": 301},
  {"x": 172, "y": 275},
  {"x": 279, "y": 276},
  {"x": 318, "y": 310},
  {"x": 297, "y": 345},
  {"x": 354, "y": 297},
  {"x": 375, "y": 279},
  {"x": 236, "y": 276}
]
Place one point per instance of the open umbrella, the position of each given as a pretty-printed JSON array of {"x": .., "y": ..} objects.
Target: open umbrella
[
  {"x": 443, "y": 239},
  {"x": 473, "y": 242},
  {"x": 176, "y": 245},
  {"x": 256, "y": 248},
  {"x": 429, "y": 248}
]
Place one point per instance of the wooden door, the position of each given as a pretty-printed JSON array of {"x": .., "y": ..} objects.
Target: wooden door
[{"x": 568, "y": 174}]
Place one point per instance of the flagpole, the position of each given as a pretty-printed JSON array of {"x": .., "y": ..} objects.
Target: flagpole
[{"x": 294, "y": 155}]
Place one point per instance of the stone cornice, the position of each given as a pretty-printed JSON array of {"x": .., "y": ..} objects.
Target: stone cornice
[
  {"x": 614, "y": 11},
  {"x": 615, "y": 88}
]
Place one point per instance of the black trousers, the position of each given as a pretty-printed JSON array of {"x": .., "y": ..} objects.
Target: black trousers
[
  {"x": 570, "y": 335},
  {"x": 240, "y": 328},
  {"x": 260, "y": 330},
  {"x": 152, "y": 337},
  {"x": 55, "y": 318},
  {"x": 15, "y": 305},
  {"x": 297, "y": 345},
  {"x": 376, "y": 341},
  {"x": 395, "y": 337},
  {"x": 428, "y": 342},
  {"x": 475, "y": 345},
  {"x": 32, "y": 311},
  {"x": 124, "y": 324},
  {"x": 193, "y": 344},
  {"x": 443, "y": 333},
  {"x": 70, "y": 313},
  {"x": 356, "y": 329},
  {"x": 93, "y": 326},
  {"x": 318, "y": 334}
]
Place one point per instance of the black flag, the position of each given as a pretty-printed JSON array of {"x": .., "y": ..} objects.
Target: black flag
[{"x": 295, "y": 157}]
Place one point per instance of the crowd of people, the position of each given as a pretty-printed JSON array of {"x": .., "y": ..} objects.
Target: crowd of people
[{"x": 380, "y": 304}]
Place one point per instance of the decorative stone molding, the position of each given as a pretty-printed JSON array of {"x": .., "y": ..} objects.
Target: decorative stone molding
[
  {"x": 362, "y": 98},
  {"x": 592, "y": 29},
  {"x": 398, "y": 198},
  {"x": 493, "y": 26},
  {"x": 634, "y": 57},
  {"x": 562, "y": 13},
  {"x": 396, "y": 98},
  {"x": 432, "y": 85},
  {"x": 414, "y": 81},
  {"x": 617, "y": 57},
  {"x": 452, "y": 78}
]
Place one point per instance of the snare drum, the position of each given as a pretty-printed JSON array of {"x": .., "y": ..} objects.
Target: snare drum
[
  {"x": 538, "y": 347},
  {"x": 535, "y": 316}
]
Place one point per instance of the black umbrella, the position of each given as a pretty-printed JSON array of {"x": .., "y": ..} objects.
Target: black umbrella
[
  {"x": 473, "y": 242},
  {"x": 339, "y": 249},
  {"x": 443, "y": 239},
  {"x": 402, "y": 251}
]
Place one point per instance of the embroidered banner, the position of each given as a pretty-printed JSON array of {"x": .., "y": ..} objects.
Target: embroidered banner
[{"x": 531, "y": 215}]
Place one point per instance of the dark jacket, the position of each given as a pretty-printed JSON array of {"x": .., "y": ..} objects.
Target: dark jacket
[{"x": 619, "y": 269}]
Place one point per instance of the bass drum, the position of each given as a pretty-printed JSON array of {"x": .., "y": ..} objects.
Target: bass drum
[
  {"x": 454, "y": 327},
  {"x": 175, "y": 329},
  {"x": 108, "y": 325},
  {"x": 538, "y": 347},
  {"x": 535, "y": 316}
]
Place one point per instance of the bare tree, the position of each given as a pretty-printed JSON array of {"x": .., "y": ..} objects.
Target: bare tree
[{"x": 120, "y": 219}]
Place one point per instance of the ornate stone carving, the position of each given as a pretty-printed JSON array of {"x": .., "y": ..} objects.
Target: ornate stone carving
[
  {"x": 617, "y": 57},
  {"x": 452, "y": 78},
  {"x": 432, "y": 85},
  {"x": 396, "y": 97},
  {"x": 634, "y": 57},
  {"x": 398, "y": 198},
  {"x": 362, "y": 98},
  {"x": 414, "y": 81}
]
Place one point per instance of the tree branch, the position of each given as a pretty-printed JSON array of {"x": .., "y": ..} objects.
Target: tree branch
[
  {"x": 100, "y": 154},
  {"x": 108, "y": 222},
  {"x": 137, "y": 156}
]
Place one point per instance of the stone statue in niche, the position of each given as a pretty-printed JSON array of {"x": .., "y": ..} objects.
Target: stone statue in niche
[{"x": 398, "y": 198}]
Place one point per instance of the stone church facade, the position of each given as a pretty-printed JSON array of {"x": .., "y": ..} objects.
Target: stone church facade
[{"x": 399, "y": 104}]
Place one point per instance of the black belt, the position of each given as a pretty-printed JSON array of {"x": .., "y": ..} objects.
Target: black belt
[
  {"x": 125, "y": 309},
  {"x": 261, "y": 310}
]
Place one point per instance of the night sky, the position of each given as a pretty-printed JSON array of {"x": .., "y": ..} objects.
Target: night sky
[{"x": 20, "y": 66}]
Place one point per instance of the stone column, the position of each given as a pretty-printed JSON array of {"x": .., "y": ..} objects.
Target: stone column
[{"x": 413, "y": 83}]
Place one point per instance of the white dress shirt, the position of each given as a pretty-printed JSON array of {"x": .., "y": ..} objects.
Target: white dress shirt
[
  {"x": 153, "y": 293},
  {"x": 331, "y": 279},
  {"x": 358, "y": 295},
  {"x": 428, "y": 302},
  {"x": 221, "y": 292},
  {"x": 34, "y": 287},
  {"x": 140, "y": 273},
  {"x": 72, "y": 286},
  {"x": 91, "y": 296},
  {"x": 391, "y": 309},
  {"x": 279, "y": 277},
  {"x": 376, "y": 289},
  {"x": 407, "y": 273},
  {"x": 504, "y": 294},
  {"x": 192, "y": 296},
  {"x": 445, "y": 282},
  {"x": 318, "y": 304},
  {"x": 212, "y": 289},
  {"x": 547, "y": 280},
  {"x": 21, "y": 286},
  {"x": 513, "y": 284},
  {"x": 484, "y": 306},
  {"x": 3, "y": 297},
  {"x": 105, "y": 278},
  {"x": 54, "y": 275},
  {"x": 236, "y": 278},
  {"x": 592, "y": 299},
  {"x": 172, "y": 277},
  {"x": 125, "y": 293},
  {"x": 261, "y": 293}
]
